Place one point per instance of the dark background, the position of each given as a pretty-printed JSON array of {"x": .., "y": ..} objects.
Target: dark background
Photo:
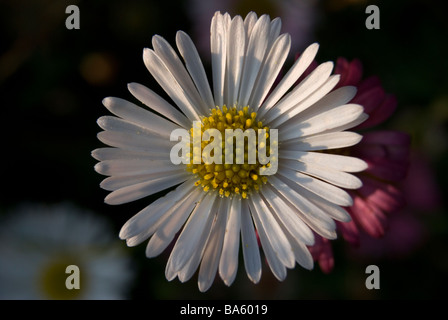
[{"x": 52, "y": 81}]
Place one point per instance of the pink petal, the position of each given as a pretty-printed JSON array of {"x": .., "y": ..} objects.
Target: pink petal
[
  {"x": 367, "y": 83},
  {"x": 370, "y": 99},
  {"x": 326, "y": 259},
  {"x": 351, "y": 72},
  {"x": 381, "y": 113},
  {"x": 322, "y": 253},
  {"x": 385, "y": 196},
  {"x": 370, "y": 218},
  {"x": 349, "y": 231}
]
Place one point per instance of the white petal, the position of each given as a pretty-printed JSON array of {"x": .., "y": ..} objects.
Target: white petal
[
  {"x": 325, "y": 121},
  {"x": 251, "y": 252},
  {"x": 167, "y": 231},
  {"x": 336, "y": 177},
  {"x": 133, "y": 167},
  {"x": 249, "y": 22},
  {"x": 218, "y": 37},
  {"x": 274, "y": 31},
  {"x": 310, "y": 84},
  {"x": 301, "y": 253},
  {"x": 188, "y": 240},
  {"x": 235, "y": 59},
  {"x": 157, "y": 103},
  {"x": 333, "y": 161},
  {"x": 351, "y": 124},
  {"x": 300, "y": 250},
  {"x": 322, "y": 189},
  {"x": 195, "y": 67},
  {"x": 276, "y": 266},
  {"x": 136, "y": 143},
  {"x": 270, "y": 69},
  {"x": 324, "y": 141},
  {"x": 333, "y": 99},
  {"x": 290, "y": 220},
  {"x": 189, "y": 269},
  {"x": 170, "y": 273},
  {"x": 275, "y": 235},
  {"x": 102, "y": 154},
  {"x": 139, "y": 116},
  {"x": 171, "y": 60},
  {"x": 149, "y": 215},
  {"x": 170, "y": 84},
  {"x": 290, "y": 78},
  {"x": 256, "y": 50},
  {"x": 333, "y": 210},
  {"x": 228, "y": 264},
  {"x": 145, "y": 234},
  {"x": 144, "y": 189},
  {"x": 117, "y": 182},
  {"x": 210, "y": 259},
  {"x": 114, "y": 124},
  {"x": 306, "y": 103},
  {"x": 313, "y": 216}
]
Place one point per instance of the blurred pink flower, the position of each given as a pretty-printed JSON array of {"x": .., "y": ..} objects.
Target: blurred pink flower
[
  {"x": 422, "y": 196},
  {"x": 387, "y": 154},
  {"x": 322, "y": 252}
]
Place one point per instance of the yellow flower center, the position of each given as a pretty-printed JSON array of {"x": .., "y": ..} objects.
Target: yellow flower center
[{"x": 231, "y": 176}]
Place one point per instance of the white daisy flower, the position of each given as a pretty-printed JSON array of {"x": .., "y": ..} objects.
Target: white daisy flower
[
  {"x": 60, "y": 252},
  {"x": 216, "y": 204}
]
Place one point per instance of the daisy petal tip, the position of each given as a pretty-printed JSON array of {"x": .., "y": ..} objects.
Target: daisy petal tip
[
  {"x": 337, "y": 77},
  {"x": 314, "y": 46},
  {"x": 346, "y": 218},
  {"x": 129, "y": 242},
  {"x": 101, "y": 122},
  {"x": 255, "y": 278},
  {"x": 170, "y": 276},
  {"x": 181, "y": 35},
  {"x": 227, "y": 282},
  {"x": 348, "y": 202},
  {"x": 204, "y": 286},
  {"x": 363, "y": 165},
  {"x": 311, "y": 242},
  {"x": 110, "y": 198},
  {"x": 354, "y": 183},
  {"x": 122, "y": 236},
  {"x": 97, "y": 167},
  {"x": 107, "y": 101},
  {"x": 146, "y": 54},
  {"x": 329, "y": 65},
  {"x": 94, "y": 155},
  {"x": 352, "y": 90},
  {"x": 333, "y": 235},
  {"x": 132, "y": 86},
  {"x": 308, "y": 264},
  {"x": 124, "y": 231},
  {"x": 359, "y": 108}
]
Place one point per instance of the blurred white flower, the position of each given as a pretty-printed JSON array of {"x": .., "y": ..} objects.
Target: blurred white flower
[{"x": 37, "y": 244}]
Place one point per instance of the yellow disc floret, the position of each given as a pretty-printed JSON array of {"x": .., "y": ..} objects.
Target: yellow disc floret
[{"x": 229, "y": 176}]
